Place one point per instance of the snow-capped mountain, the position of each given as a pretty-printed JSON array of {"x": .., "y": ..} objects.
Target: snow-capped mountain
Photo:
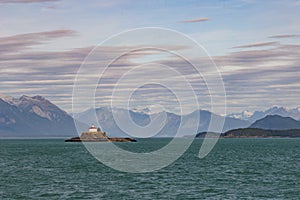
[
  {"x": 107, "y": 122},
  {"x": 143, "y": 110},
  {"x": 9, "y": 99},
  {"x": 276, "y": 110},
  {"x": 245, "y": 115},
  {"x": 33, "y": 116}
]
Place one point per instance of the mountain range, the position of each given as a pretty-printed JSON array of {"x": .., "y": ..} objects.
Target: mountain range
[
  {"x": 276, "y": 110},
  {"x": 276, "y": 122},
  {"x": 36, "y": 116},
  {"x": 270, "y": 126},
  {"x": 106, "y": 120},
  {"x": 33, "y": 117}
]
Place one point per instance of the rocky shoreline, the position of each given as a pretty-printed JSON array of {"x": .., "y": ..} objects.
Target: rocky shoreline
[
  {"x": 79, "y": 139},
  {"x": 98, "y": 137}
]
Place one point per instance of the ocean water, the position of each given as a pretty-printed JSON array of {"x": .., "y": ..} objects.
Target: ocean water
[{"x": 235, "y": 169}]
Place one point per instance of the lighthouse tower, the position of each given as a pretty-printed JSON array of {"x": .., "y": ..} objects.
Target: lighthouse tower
[{"x": 93, "y": 129}]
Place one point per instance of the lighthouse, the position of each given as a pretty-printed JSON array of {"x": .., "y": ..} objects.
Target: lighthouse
[
  {"x": 95, "y": 134},
  {"x": 93, "y": 129}
]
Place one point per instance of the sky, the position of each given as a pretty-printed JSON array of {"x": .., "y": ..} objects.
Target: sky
[{"x": 255, "y": 46}]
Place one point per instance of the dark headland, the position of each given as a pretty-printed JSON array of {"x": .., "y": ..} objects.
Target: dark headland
[
  {"x": 271, "y": 126},
  {"x": 253, "y": 133}
]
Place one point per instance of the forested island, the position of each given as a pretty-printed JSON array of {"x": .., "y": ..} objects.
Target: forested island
[{"x": 254, "y": 133}]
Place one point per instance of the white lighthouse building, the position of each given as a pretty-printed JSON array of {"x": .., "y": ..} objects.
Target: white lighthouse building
[{"x": 93, "y": 129}]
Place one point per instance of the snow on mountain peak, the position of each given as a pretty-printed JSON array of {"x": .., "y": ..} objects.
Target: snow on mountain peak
[
  {"x": 8, "y": 99},
  {"x": 41, "y": 113},
  {"x": 274, "y": 110},
  {"x": 143, "y": 110},
  {"x": 247, "y": 113},
  {"x": 243, "y": 115}
]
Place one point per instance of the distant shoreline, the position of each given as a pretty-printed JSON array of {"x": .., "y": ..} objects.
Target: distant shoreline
[
  {"x": 154, "y": 138},
  {"x": 253, "y": 133},
  {"x": 236, "y": 133}
]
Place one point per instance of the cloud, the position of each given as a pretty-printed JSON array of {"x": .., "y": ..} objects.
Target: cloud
[
  {"x": 194, "y": 20},
  {"x": 27, "y": 1},
  {"x": 261, "y": 44},
  {"x": 26, "y": 70},
  {"x": 23, "y": 41},
  {"x": 285, "y": 36},
  {"x": 262, "y": 77}
]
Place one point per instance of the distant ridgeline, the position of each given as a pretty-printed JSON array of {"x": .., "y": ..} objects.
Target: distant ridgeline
[
  {"x": 38, "y": 117},
  {"x": 256, "y": 132},
  {"x": 270, "y": 126},
  {"x": 253, "y": 133}
]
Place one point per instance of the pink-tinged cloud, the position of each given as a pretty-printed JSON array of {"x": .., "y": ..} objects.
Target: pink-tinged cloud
[
  {"x": 194, "y": 20},
  {"x": 285, "y": 36},
  {"x": 23, "y": 41},
  {"x": 26, "y": 1},
  {"x": 261, "y": 44}
]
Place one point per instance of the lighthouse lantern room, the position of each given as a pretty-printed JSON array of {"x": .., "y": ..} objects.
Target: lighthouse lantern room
[{"x": 93, "y": 129}]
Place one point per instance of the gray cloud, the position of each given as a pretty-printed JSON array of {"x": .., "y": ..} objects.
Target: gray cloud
[
  {"x": 262, "y": 77},
  {"x": 27, "y": 1},
  {"x": 194, "y": 20},
  {"x": 258, "y": 77},
  {"x": 30, "y": 72},
  {"x": 285, "y": 36},
  {"x": 23, "y": 41},
  {"x": 261, "y": 44}
]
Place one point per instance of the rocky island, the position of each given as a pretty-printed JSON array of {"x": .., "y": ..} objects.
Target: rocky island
[{"x": 96, "y": 135}]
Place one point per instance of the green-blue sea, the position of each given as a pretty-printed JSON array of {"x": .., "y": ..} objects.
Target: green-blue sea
[{"x": 235, "y": 169}]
